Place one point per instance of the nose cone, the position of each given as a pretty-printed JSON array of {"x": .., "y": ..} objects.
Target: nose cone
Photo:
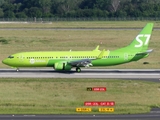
[{"x": 5, "y": 61}]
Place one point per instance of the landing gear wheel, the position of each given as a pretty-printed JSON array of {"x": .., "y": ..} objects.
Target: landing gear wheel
[
  {"x": 78, "y": 69},
  {"x": 17, "y": 69}
]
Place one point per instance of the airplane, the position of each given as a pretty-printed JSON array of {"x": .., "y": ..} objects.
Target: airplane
[{"x": 66, "y": 60}]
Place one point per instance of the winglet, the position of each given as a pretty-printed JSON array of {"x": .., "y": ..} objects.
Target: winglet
[
  {"x": 97, "y": 48},
  {"x": 101, "y": 54}
]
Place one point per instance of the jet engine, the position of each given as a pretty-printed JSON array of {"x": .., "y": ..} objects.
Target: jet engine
[{"x": 62, "y": 66}]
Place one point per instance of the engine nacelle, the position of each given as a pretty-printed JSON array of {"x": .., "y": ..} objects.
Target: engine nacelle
[{"x": 62, "y": 66}]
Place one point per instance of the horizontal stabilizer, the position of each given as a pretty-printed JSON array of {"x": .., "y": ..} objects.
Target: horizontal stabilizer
[{"x": 146, "y": 52}]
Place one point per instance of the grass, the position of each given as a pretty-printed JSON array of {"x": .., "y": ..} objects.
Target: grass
[
  {"x": 63, "y": 96},
  {"x": 81, "y": 24},
  {"x": 14, "y": 41}
]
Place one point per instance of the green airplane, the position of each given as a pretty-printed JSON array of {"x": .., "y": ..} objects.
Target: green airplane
[{"x": 66, "y": 60}]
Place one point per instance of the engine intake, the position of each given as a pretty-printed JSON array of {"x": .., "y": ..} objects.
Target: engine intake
[{"x": 62, "y": 66}]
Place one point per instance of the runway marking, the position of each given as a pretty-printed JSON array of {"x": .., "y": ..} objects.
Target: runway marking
[
  {"x": 29, "y": 115},
  {"x": 87, "y": 73},
  {"x": 115, "y": 74}
]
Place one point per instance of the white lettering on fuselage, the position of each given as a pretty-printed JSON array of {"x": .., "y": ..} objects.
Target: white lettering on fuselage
[
  {"x": 32, "y": 61},
  {"x": 140, "y": 41}
]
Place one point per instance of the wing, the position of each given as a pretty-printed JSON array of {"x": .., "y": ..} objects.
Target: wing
[
  {"x": 85, "y": 62},
  {"x": 81, "y": 63}
]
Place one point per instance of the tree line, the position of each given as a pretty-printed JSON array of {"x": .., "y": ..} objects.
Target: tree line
[{"x": 79, "y": 8}]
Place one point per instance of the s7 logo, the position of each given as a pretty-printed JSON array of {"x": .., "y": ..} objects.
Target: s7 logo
[{"x": 140, "y": 41}]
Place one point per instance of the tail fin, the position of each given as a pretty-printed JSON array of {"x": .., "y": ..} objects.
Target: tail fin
[{"x": 140, "y": 43}]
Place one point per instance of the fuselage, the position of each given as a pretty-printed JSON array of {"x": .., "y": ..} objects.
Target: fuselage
[{"x": 48, "y": 59}]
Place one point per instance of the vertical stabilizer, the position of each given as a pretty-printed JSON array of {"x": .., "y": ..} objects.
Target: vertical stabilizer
[{"x": 141, "y": 41}]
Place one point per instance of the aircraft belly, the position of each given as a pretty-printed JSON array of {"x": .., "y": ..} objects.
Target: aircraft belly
[
  {"x": 107, "y": 62},
  {"x": 52, "y": 62}
]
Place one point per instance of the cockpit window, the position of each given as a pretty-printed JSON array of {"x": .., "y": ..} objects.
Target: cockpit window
[{"x": 10, "y": 57}]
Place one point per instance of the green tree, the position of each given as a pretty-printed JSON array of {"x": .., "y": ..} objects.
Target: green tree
[
  {"x": 30, "y": 3},
  {"x": 21, "y": 15},
  {"x": 121, "y": 14},
  {"x": 9, "y": 14},
  {"x": 1, "y": 2},
  {"x": 45, "y": 5},
  {"x": 8, "y": 7},
  {"x": 34, "y": 12},
  {"x": 1, "y": 13},
  {"x": 17, "y": 7}
]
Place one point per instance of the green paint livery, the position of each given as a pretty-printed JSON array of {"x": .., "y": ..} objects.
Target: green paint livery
[{"x": 66, "y": 60}]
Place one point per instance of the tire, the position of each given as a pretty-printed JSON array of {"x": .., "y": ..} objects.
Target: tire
[{"x": 78, "y": 69}]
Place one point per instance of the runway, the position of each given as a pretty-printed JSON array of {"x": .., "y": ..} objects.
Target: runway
[
  {"x": 80, "y": 117},
  {"x": 147, "y": 74},
  {"x": 152, "y": 115}
]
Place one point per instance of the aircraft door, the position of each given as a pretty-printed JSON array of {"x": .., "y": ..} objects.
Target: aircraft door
[
  {"x": 68, "y": 57},
  {"x": 21, "y": 58},
  {"x": 125, "y": 56}
]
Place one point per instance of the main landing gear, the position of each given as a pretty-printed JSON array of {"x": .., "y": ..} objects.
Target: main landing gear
[
  {"x": 78, "y": 69},
  {"x": 17, "y": 69}
]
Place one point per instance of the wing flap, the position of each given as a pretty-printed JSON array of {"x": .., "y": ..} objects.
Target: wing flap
[{"x": 81, "y": 63}]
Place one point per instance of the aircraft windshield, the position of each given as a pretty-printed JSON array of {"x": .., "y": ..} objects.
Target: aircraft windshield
[{"x": 10, "y": 57}]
